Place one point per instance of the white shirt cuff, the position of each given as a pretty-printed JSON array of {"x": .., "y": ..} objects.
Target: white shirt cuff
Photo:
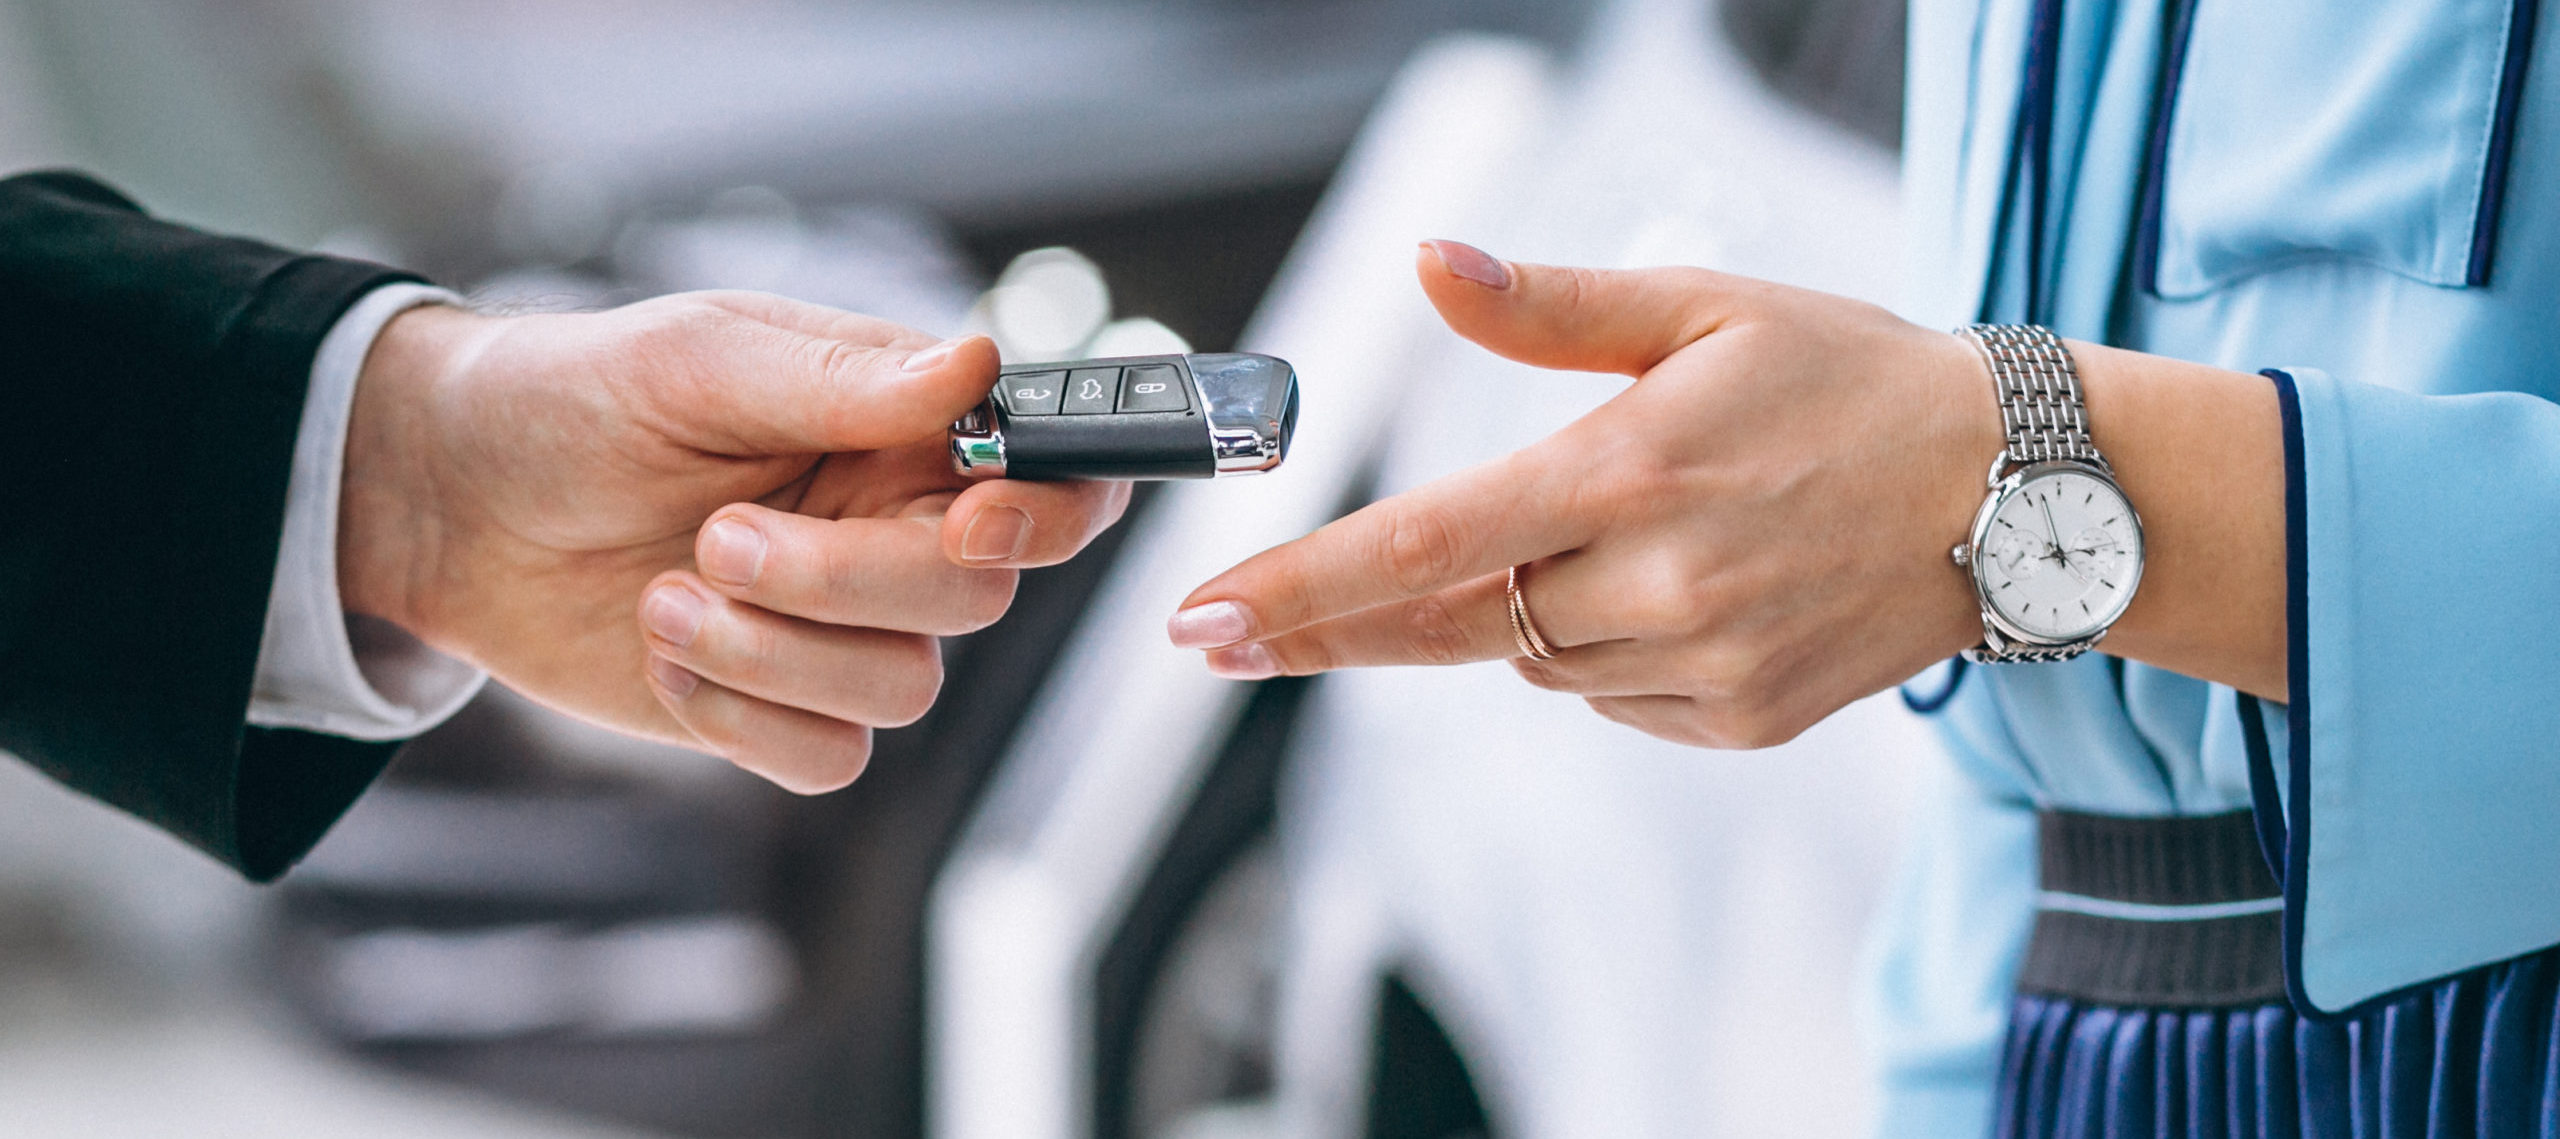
[{"x": 312, "y": 673}]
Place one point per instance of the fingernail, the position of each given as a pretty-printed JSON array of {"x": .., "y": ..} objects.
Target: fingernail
[
  {"x": 732, "y": 552},
  {"x": 1471, "y": 263},
  {"x": 675, "y": 678},
  {"x": 997, "y": 533},
  {"x": 930, "y": 358},
  {"x": 1214, "y": 625},
  {"x": 674, "y": 613},
  {"x": 1244, "y": 662}
]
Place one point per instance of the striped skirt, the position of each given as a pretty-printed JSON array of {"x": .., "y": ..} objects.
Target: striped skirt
[{"x": 2130, "y": 1027}]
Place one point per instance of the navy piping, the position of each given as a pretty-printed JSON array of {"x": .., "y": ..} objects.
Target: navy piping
[
  {"x": 2502, "y": 136},
  {"x": 2155, "y": 161},
  {"x": 1931, "y": 705},
  {"x": 2296, "y": 833},
  {"x": 2268, "y": 812},
  {"x": 2035, "y": 139}
]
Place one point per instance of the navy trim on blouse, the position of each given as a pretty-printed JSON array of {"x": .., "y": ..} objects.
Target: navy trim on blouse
[
  {"x": 2262, "y": 783},
  {"x": 2296, "y": 828},
  {"x": 2035, "y": 140},
  {"x": 1933, "y": 704},
  {"x": 2155, "y": 161},
  {"x": 2502, "y": 137}
]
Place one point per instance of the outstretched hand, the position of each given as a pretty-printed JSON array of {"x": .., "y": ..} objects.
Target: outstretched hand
[
  {"x": 1750, "y": 536},
  {"x": 722, "y": 520}
]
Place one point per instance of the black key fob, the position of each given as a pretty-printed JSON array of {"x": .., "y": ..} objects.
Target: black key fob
[{"x": 1206, "y": 415}]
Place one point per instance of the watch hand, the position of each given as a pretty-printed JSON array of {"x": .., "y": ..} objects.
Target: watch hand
[{"x": 2052, "y": 533}]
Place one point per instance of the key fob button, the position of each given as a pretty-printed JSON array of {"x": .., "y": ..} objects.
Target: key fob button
[
  {"x": 1154, "y": 387},
  {"x": 1091, "y": 391},
  {"x": 1033, "y": 393}
]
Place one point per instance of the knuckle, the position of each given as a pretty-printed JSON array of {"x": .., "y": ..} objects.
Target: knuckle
[
  {"x": 1434, "y": 632},
  {"x": 1300, "y": 655},
  {"x": 1542, "y": 674},
  {"x": 845, "y": 576},
  {"x": 1575, "y": 286},
  {"x": 1667, "y": 597},
  {"x": 1424, "y": 548},
  {"x": 842, "y": 365},
  {"x": 673, "y": 326},
  {"x": 743, "y": 646}
]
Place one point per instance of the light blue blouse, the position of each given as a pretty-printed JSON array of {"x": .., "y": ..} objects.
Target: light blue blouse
[{"x": 2362, "y": 196}]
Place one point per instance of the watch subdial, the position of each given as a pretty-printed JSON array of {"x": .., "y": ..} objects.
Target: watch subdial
[
  {"x": 2094, "y": 555},
  {"x": 2019, "y": 556}
]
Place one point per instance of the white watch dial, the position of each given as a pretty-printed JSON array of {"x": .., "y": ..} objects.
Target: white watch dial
[{"x": 2061, "y": 556}]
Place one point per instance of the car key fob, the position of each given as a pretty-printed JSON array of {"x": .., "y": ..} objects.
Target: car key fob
[{"x": 1205, "y": 415}]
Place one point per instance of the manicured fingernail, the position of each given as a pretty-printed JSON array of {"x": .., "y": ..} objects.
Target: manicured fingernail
[
  {"x": 675, "y": 678},
  {"x": 1471, "y": 263},
  {"x": 1214, "y": 625},
  {"x": 1244, "y": 662},
  {"x": 930, "y": 358},
  {"x": 732, "y": 552},
  {"x": 674, "y": 613},
  {"x": 997, "y": 533}
]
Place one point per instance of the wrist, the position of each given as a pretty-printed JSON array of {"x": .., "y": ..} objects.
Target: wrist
[
  {"x": 2200, "y": 452},
  {"x": 1968, "y": 427},
  {"x": 390, "y": 519}
]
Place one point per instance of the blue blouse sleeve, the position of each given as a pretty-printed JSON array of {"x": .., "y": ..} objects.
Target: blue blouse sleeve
[
  {"x": 1944, "y": 956},
  {"x": 2419, "y": 779}
]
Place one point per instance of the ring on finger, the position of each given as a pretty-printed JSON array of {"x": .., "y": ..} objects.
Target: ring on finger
[{"x": 1524, "y": 632}]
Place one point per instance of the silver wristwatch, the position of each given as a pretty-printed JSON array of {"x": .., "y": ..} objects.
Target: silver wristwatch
[{"x": 2056, "y": 549}]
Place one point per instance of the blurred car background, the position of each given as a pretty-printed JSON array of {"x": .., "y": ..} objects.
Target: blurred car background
[{"x": 1095, "y": 893}]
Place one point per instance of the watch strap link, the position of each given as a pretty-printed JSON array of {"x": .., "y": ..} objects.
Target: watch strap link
[
  {"x": 2043, "y": 418},
  {"x": 2039, "y": 391},
  {"x": 2025, "y": 654}
]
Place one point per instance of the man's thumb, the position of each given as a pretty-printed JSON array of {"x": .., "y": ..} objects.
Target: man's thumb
[
  {"x": 1587, "y": 320},
  {"x": 796, "y": 393}
]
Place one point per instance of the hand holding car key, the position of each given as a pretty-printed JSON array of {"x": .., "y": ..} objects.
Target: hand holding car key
[{"x": 1202, "y": 415}]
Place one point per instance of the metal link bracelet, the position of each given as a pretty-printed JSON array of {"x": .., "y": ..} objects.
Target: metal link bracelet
[
  {"x": 2042, "y": 415},
  {"x": 2039, "y": 393}
]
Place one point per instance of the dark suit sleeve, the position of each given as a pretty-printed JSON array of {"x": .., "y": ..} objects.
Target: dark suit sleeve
[{"x": 151, "y": 385}]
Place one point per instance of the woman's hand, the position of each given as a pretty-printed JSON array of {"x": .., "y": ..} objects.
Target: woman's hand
[
  {"x": 722, "y": 520},
  {"x": 1753, "y": 534}
]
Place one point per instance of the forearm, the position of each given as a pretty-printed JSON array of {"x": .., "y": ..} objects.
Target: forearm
[{"x": 2200, "y": 452}]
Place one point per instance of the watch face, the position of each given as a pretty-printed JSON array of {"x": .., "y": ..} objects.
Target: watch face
[{"x": 2060, "y": 554}]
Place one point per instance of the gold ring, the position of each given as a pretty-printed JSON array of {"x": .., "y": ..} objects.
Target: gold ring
[{"x": 1524, "y": 632}]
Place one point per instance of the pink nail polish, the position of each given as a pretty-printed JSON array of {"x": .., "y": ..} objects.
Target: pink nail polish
[
  {"x": 1464, "y": 260},
  {"x": 1244, "y": 662},
  {"x": 732, "y": 552},
  {"x": 1214, "y": 625},
  {"x": 675, "y": 678}
]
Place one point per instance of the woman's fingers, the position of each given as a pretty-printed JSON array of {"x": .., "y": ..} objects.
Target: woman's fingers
[
  {"x": 1019, "y": 524},
  {"x": 1587, "y": 320},
  {"x": 883, "y": 573},
  {"x": 797, "y": 750},
  {"x": 863, "y": 676},
  {"x": 1516, "y": 509},
  {"x": 1609, "y": 668},
  {"x": 1464, "y": 623}
]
